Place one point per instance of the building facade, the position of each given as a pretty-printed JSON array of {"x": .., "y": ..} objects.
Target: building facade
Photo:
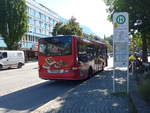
[{"x": 40, "y": 24}]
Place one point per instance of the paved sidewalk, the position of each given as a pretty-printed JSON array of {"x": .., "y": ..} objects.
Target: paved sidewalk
[{"x": 92, "y": 96}]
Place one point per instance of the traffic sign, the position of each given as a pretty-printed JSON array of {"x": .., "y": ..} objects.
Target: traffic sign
[
  {"x": 120, "y": 39},
  {"x": 120, "y": 19},
  {"x": 120, "y": 43},
  {"x": 120, "y": 36}
]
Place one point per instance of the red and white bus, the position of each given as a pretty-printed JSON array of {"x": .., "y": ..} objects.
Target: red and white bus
[{"x": 70, "y": 57}]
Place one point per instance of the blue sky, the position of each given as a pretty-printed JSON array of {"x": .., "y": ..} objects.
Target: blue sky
[{"x": 91, "y": 13}]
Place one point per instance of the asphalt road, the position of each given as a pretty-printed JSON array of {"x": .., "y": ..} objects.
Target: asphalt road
[{"x": 21, "y": 90}]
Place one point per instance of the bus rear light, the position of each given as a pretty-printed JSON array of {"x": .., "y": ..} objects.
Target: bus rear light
[{"x": 40, "y": 67}]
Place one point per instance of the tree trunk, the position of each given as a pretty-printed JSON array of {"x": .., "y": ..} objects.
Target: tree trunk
[{"x": 144, "y": 49}]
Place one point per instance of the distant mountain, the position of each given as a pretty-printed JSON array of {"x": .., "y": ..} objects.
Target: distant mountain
[{"x": 86, "y": 29}]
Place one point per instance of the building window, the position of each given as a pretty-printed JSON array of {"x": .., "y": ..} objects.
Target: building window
[
  {"x": 40, "y": 15},
  {"x": 40, "y": 23},
  {"x": 27, "y": 38},
  {"x": 31, "y": 11},
  {"x": 45, "y": 25},
  {"x": 31, "y": 21},
  {"x": 40, "y": 30},
  {"x": 35, "y": 29},
  {"x": 37, "y": 14},
  {"x": 43, "y": 17},
  {"x": 47, "y": 19},
  {"x": 35, "y": 22},
  {"x": 51, "y": 21}
]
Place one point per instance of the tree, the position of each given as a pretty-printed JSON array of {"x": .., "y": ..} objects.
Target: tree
[
  {"x": 70, "y": 28},
  {"x": 57, "y": 29},
  {"x": 13, "y": 21},
  {"x": 109, "y": 43},
  {"x": 91, "y": 37},
  {"x": 139, "y": 11},
  {"x": 136, "y": 42}
]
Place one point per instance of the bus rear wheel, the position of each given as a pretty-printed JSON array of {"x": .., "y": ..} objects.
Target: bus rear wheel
[
  {"x": 102, "y": 67},
  {"x": 90, "y": 72},
  {"x": 1, "y": 66}
]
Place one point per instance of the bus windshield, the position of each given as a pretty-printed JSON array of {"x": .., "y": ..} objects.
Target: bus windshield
[{"x": 55, "y": 46}]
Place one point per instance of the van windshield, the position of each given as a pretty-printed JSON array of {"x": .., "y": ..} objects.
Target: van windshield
[
  {"x": 3, "y": 55},
  {"x": 0, "y": 55},
  {"x": 55, "y": 46}
]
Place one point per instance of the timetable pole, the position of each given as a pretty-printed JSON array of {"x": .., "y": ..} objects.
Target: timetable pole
[{"x": 114, "y": 80}]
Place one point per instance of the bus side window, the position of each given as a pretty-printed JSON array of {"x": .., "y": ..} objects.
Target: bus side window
[{"x": 82, "y": 53}]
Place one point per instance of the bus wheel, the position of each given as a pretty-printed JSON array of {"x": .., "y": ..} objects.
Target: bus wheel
[
  {"x": 90, "y": 72},
  {"x": 102, "y": 67},
  {"x": 19, "y": 65},
  {"x": 1, "y": 66}
]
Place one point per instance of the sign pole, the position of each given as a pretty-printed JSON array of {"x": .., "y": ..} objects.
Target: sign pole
[
  {"x": 120, "y": 44},
  {"x": 128, "y": 76},
  {"x": 128, "y": 81},
  {"x": 114, "y": 80},
  {"x": 114, "y": 88}
]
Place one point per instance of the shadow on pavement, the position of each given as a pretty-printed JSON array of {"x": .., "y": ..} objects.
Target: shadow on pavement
[
  {"x": 94, "y": 96},
  {"x": 6, "y": 69},
  {"x": 35, "y": 96}
]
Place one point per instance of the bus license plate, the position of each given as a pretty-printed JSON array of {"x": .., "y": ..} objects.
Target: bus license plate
[{"x": 55, "y": 71}]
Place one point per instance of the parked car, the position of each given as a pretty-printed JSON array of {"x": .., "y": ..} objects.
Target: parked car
[{"x": 11, "y": 59}]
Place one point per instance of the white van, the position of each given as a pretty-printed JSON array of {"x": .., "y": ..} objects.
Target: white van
[{"x": 11, "y": 59}]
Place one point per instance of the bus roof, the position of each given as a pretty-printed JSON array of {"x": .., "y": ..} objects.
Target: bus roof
[{"x": 83, "y": 39}]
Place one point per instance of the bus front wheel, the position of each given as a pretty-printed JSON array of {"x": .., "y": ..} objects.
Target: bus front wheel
[{"x": 19, "y": 65}]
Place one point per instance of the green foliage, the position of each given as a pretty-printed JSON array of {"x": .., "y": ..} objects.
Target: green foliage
[
  {"x": 109, "y": 46},
  {"x": 109, "y": 43},
  {"x": 132, "y": 58},
  {"x": 70, "y": 28},
  {"x": 57, "y": 29},
  {"x": 13, "y": 21},
  {"x": 136, "y": 42},
  {"x": 148, "y": 41},
  {"x": 139, "y": 14},
  {"x": 110, "y": 40},
  {"x": 92, "y": 37}
]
